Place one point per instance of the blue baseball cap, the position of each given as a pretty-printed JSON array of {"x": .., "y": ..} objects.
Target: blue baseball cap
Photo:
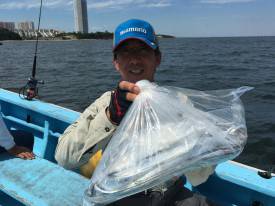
[{"x": 135, "y": 29}]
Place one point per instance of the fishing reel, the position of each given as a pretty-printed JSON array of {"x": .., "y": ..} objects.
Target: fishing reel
[{"x": 30, "y": 90}]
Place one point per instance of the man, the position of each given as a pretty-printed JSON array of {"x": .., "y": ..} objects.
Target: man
[
  {"x": 136, "y": 56},
  {"x": 10, "y": 142}
]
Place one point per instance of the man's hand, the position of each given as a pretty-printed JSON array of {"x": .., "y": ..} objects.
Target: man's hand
[
  {"x": 121, "y": 99},
  {"x": 131, "y": 90},
  {"x": 21, "y": 152}
]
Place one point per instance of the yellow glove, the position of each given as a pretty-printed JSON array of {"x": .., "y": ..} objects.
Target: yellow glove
[{"x": 88, "y": 169}]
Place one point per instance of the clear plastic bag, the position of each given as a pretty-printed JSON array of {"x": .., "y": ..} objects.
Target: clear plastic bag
[{"x": 166, "y": 132}]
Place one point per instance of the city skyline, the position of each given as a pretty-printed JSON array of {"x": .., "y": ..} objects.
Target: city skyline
[
  {"x": 182, "y": 18},
  {"x": 12, "y": 26}
]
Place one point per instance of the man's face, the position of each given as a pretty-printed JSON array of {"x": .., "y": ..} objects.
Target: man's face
[{"x": 135, "y": 60}]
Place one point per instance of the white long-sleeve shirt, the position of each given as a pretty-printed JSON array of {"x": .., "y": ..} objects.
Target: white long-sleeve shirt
[{"x": 6, "y": 139}]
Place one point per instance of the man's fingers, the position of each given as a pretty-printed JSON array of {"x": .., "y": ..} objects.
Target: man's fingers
[
  {"x": 29, "y": 155},
  {"x": 131, "y": 87},
  {"x": 32, "y": 155},
  {"x": 21, "y": 155},
  {"x": 26, "y": 155},
  {"x": 130, "y": 96}
]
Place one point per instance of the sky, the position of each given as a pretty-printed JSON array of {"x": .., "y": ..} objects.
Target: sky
[{"x": 181, "y": 18}]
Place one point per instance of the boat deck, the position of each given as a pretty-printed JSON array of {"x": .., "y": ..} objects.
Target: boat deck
[{"x": 40, "y": 182}]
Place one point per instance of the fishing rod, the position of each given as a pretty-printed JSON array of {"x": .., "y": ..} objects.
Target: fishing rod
[{"x": 30, "y": 90}]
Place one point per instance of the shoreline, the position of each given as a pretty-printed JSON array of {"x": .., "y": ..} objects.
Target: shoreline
[
  {"x": 59, "y": 40},
  {"x": 32, "y": 40}
]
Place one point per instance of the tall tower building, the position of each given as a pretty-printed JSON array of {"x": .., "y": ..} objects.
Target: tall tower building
[{"x": 81, "y": 16}]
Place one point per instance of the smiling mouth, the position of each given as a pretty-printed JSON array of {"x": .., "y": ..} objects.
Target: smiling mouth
[{"x": 136, "y": 71}]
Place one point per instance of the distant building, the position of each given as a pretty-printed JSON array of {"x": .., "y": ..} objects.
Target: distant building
[
  {"x": 42, "y": 33},
  {"x": 25, "y": 26},
  {"x": 8, "y": 25},
  {"x": 81, "y": 16}
]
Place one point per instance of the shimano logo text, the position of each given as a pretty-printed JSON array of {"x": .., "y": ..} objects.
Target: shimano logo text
[{"x": 137, "y": 29}]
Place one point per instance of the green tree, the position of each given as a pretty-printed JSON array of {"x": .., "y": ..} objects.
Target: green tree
[{"x": 8, "y": 35}]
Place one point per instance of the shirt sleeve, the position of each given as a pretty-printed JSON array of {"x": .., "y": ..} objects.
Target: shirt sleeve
[
  {"x": 6, "y": 139},
  {"x": 91, "y": 127},
  {"x": 200, "y": 176}
]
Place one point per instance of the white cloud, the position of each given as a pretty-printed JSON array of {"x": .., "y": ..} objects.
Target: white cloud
[
  {"x": 225, "y": 1},
  {"x": 18, "y": 5},
  {"x": 156, "y": 5},
  {"x": 29, "y": 4},
  {"x": 92, "y": 4},
  {"x": 120, "y": 4}
]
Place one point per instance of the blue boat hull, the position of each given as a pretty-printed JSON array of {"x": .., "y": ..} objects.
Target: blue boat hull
[{"x": 232, "y": 183}]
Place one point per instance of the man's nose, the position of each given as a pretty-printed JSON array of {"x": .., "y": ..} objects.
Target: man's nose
[{"x": 134, "y": 59}]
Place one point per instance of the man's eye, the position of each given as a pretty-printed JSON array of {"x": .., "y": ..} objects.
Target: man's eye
[{"x": 140, "y": 51}]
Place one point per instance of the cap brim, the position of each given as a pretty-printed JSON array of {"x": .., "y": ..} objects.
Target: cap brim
[{"x": 149, "y": 43}]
